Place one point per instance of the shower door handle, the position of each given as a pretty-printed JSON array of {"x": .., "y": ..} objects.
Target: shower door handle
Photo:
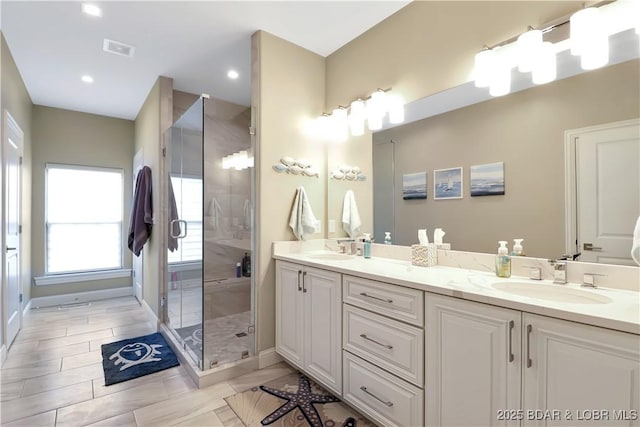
[{"x": 180, "y": 235}]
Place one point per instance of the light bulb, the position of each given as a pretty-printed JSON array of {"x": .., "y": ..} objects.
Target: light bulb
[
  {"x": 484, "y": 67},
  {"x": 376, "y": 105},
  {"x": 396, "y": 109},
  {"x": 582, "y": 25},
  {"x": 357, "y": 115},
  {"x": 545, "y": 64},
  {"x": 374, "y": 122},
  {"x": 597, "y": 55},
  {"x": 340, "y": 126},
  {"x": 527, "y": 49},
  {"x": 500, "y": 80}
]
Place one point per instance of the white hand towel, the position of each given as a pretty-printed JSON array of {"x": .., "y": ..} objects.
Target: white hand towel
[
  {"x": 635, "y": 246},
  {"x": 215, "y": 212},
  {"x": 302, "y": 221},
  {"x": 350, "y": 217}
]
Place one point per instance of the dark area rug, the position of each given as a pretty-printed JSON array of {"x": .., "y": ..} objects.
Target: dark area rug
[
  {"x": 135, "y": 357},
  {"x": 293, "y": 401}
]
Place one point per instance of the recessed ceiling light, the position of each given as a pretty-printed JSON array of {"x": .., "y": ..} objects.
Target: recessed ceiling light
[
  {"x": 91, "y": 9},
  {"x": 87, "y": 79},
  {"x": 232, "y": 74}
]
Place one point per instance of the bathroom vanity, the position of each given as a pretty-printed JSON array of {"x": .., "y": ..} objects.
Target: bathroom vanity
[{"x": 413, "y": 346}]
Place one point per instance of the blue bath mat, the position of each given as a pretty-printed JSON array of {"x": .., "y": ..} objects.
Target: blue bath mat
[{"x": 134, "y": 357}]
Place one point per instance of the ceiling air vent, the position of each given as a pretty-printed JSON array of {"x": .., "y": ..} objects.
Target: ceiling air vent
[{"x": 118, "y": 48}]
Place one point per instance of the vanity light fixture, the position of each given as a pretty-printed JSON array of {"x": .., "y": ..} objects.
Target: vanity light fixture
[
  {"x": 373, "y": 109},
  {"x": 589, "y": 38},
  {"x": 238, "y": 161}
]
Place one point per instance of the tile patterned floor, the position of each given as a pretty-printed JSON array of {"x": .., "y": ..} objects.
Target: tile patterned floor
[{"x": 53, "y": 375}]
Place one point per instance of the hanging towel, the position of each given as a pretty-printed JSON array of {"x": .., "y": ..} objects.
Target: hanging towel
[
  {"x": 215, "y": 212},
  {"x": 302, "y": 221},
  {"x": 174, "y": 225},
  {"x": 141, "y": 219},
  {"x": 635, "y": 246},
  {"x": 246, "y": 212},
  {"x": 350, "y": 217}
]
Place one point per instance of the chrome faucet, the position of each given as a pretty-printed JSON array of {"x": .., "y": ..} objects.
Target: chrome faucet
[
  {"x": 559, "y": 271},
  {"x": 347, "y": 246},
  {"x": 589, "y": 280}
]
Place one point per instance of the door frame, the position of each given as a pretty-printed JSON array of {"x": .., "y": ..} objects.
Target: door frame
[
  {"x": 7, "y": 122},
  {"x": 570, "y": 181}
]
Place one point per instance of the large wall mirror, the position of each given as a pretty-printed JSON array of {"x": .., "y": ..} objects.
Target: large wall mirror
[{"x": 526, "y": 131}]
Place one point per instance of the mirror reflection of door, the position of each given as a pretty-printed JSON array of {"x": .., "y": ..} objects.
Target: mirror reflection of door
[
  {"x": 12, "y": 192},
  {"x": 607, "y": 171}
]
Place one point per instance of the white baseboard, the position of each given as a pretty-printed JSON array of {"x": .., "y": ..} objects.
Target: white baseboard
[
  {"x": 26, "y": 308},
  {"x": 268, "y": 357},
  {"x": 3, "y": 354},
  {"x": 151, "y": 316},
  {"x": 80, "y": 297}
]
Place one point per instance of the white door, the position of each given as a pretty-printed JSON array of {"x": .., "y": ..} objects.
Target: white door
[
  {"x": 322, "y": 292},
  {"x": 608, "y": 191},
  {"x": 580, "y": 371},
  {"x": 138, "y": 262},
  {"x": 289, "y": 312},
  {"x": 473, "y": 363},
  {"x": 12, "y": 191}
]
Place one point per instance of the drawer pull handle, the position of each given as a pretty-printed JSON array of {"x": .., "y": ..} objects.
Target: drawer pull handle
[
  {"x": 387, "y": 346},
  {"x": 529, "y": 361},
  {"x": 304, "y": 286},
  {"x": 511, "y": 326},
  {"x": 363, "y": 388},
  {"x": 364, "y": 294},
  {"x": 299, "y": 273}
]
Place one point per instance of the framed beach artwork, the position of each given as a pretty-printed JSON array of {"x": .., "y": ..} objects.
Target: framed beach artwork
[
  {"x": 414, "y": 186},
  {"x": 447, "y": 183},
  {"x": 487, "y": 179}
]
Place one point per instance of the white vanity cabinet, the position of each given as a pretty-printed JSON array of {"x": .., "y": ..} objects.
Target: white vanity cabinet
[
  {"x": 383, "y": 351},
  {"x": 309, "y": 321},
  {"x": 479, "y": 357},
  {"x": 590, "y": 375},
  {"x": 472, "y": 362}
]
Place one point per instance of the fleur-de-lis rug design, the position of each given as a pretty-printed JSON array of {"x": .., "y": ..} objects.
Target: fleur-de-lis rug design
[
  {"x": 134, "y": 357},
  {"x": 293, "y": 401}
]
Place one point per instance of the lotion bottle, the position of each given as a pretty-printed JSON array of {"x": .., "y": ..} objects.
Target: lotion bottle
[
  {"x": 503, "y": 260},
  {"x": 367, "y": 245},
  {"x": 387, "y": 237}
]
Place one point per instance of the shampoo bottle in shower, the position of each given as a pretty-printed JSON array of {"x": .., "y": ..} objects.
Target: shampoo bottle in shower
[
  {"x": 246, "y": 265},
  {"x": 238, "y": 269}
]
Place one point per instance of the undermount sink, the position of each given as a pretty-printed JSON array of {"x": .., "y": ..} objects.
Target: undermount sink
[
  {"x": 331, "y": 256},
  {"x": 558, "y": 293}
]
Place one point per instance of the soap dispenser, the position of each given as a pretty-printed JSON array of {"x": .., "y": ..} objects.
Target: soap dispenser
[
  {"x": 517, "y": 248},
  {"x": 503, "y": 260},
  {"x": 367, "y": 245},
  {"x": 387, "y": 237}
]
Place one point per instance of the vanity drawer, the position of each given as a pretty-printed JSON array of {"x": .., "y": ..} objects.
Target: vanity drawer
[
  {"x": 392, "y": 345},
  {"x": 385, "y": 398},
  {"x": 401, "y": 303}
]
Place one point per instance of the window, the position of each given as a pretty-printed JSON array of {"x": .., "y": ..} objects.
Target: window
[
  {"x": 188, "y": 194},
  {"x": 83, "y": 218}
]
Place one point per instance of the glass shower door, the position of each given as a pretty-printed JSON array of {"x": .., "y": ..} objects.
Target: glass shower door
[{"x": 185, "y": 247}]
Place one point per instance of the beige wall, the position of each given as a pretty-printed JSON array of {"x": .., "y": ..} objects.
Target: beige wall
[
  {"x": 525, "y": 130},
  {"x": 154, "y": 118},
  {"x": 16, "y": 100},
  {"x": 429, "y": 46},
  {"x": 288, "y": 87},
  {"x": 424, "y": 48},
  {"x": 70, "y": 137}
]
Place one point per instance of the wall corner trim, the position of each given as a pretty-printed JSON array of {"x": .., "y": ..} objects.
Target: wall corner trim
[{"x": 268, "y": 357}]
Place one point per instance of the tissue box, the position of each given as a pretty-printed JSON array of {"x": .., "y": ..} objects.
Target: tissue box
[{"x": 424, "y": 256}]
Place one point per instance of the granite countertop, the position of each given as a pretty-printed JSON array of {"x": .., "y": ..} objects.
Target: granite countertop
[{"x": 621, "y": 311}]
